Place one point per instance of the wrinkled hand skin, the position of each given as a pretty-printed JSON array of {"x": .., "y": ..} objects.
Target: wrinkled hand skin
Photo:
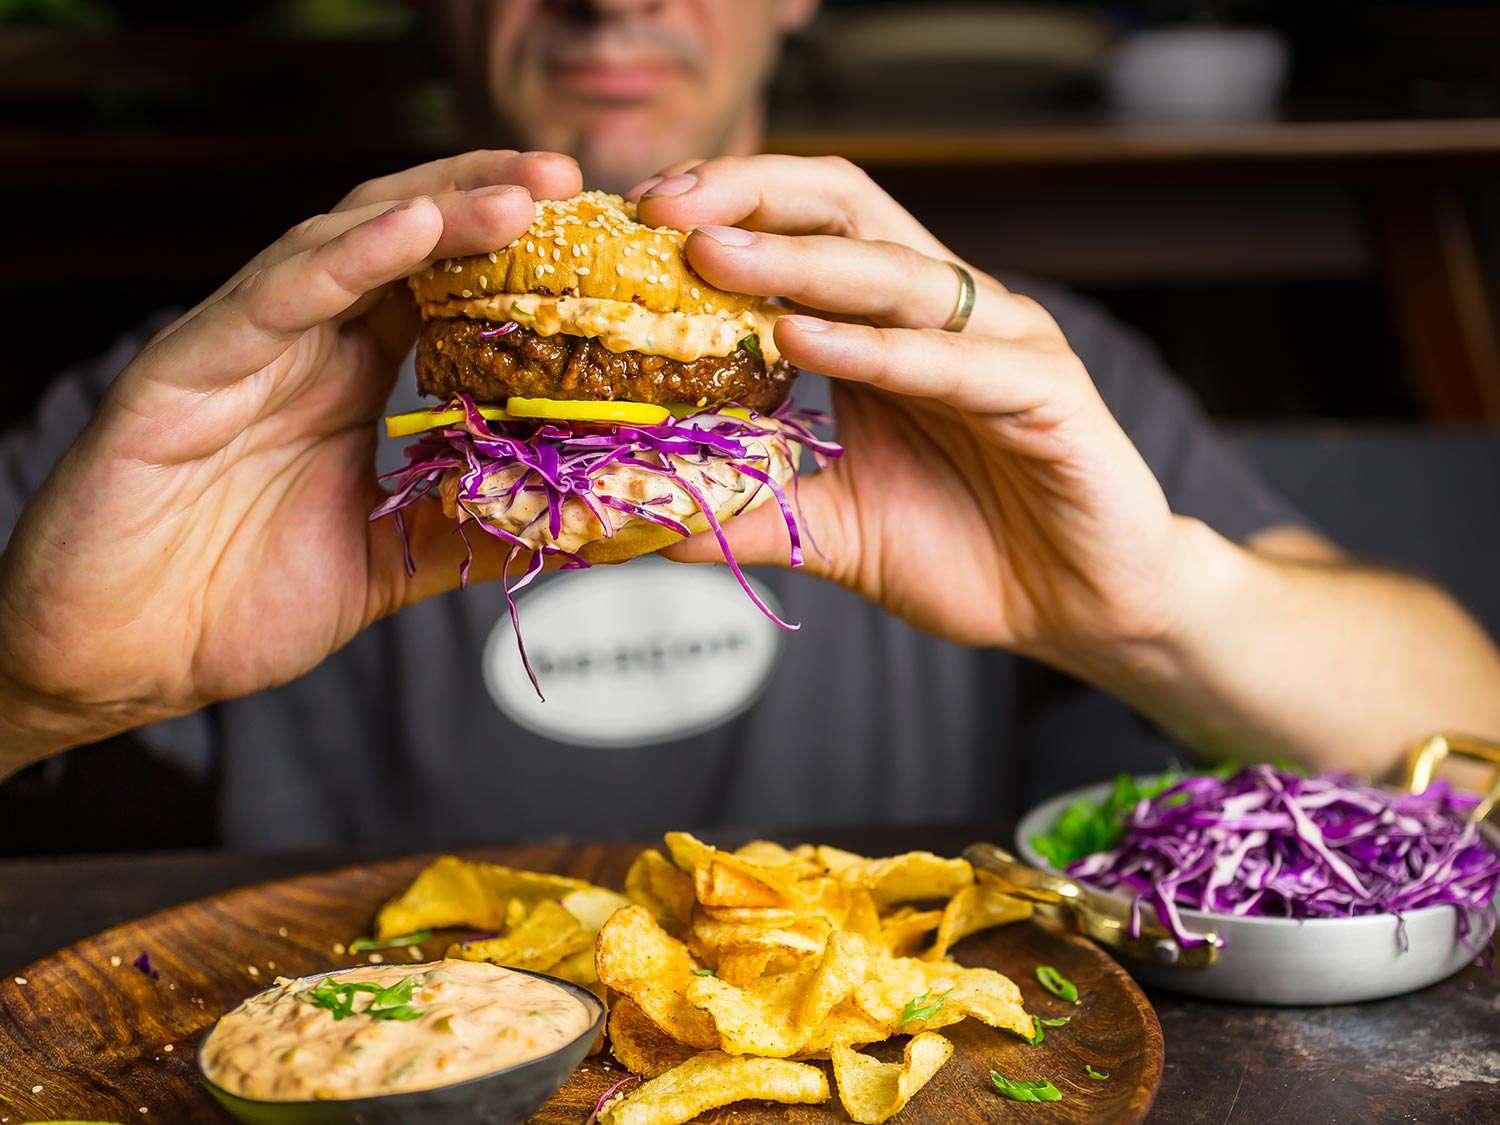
[
  {"x": 986, "y": 495},
  {"x": 207, "y": 536}
]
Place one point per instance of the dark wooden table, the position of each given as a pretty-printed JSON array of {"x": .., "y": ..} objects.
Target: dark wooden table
[{"x": 1433, "y": 1056}]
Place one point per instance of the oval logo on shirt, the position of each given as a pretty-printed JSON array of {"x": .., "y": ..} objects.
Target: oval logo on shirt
[{"x": 633, "y": 655}]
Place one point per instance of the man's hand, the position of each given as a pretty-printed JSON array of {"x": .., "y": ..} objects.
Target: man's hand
[
  {"x": 986, "y": 495},
  {"x": 207, "y": 536}
]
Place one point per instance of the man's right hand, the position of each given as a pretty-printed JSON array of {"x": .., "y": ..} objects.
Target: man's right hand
[{"x": 207, "y": 536}]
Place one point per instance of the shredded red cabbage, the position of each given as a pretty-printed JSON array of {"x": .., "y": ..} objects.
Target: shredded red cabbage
[
  {"x": 609, "y": 1095},
  {"x": 563, "y": 461},
  {"x": 143, "y": 963},
  {"x": 1272, "y": 844}
]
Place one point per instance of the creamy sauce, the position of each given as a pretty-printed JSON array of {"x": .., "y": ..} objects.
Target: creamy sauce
[
  {"x": 524, "y": 515},
  {"x": 620, "y": 325},
  {"x": 475, "y": 1018}
]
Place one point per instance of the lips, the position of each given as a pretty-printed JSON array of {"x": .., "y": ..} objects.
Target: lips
[{"x": 613, "y": 80}]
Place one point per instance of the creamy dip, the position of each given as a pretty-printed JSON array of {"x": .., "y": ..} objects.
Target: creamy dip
[{"x": 474, "y": 1018}]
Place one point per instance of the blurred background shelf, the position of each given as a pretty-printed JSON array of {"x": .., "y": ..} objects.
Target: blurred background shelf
[{"x": 1335, "y": 257}]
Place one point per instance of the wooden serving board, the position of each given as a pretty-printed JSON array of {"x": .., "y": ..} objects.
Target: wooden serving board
[{"x": 87, "y": 1038}]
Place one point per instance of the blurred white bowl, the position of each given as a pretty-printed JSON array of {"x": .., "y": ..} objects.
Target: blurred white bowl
[{"x": 1198, "y": 74}]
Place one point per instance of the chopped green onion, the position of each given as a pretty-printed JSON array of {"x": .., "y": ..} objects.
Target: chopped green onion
[
  {"x": 1094, "y": 1074},
  {"x": 751, "y": 344},
  {"x": 704, "y": 973},
  {"x": 361, "y": 945},
  {"x": 1059, "y": 1021},
  {"x": 1057, "y": 984},
  {"x": 1021, "y": 1090},
  {"x": 917, "y": 1008}
]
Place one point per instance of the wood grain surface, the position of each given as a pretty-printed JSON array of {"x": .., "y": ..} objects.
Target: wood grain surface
[{"x": 87, "y": 1037}]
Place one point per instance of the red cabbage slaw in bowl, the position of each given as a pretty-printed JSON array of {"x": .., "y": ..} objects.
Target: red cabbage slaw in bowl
[
  {"x": 565, "y": 463},
  {"x": 1270, "y": 843}
]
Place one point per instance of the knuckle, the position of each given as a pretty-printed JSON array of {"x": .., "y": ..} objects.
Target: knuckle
[{"x": 305, "y": 233}]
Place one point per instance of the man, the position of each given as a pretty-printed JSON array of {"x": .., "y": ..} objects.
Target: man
[{"x": 1034, "y": 486}]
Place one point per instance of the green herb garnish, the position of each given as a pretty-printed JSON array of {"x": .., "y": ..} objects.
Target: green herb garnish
[
  {"x": 1020, "y": 1090},
  {"x": 1094, "y": 1074},
  {"x": 1060, "y": 1021},
  {"x": 390, "y": 1003},
  {"x": 364, "y": 944},
  {"x": 751, "y": 344},
  {"x": 917, "y": 1008},
  {"x": 1038, "y": 1034},
  {"x": 704, "y": 973},
  {"x": 1057, "y": 984}
]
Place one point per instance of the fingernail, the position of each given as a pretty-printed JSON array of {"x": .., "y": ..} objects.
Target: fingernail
[
  {"x": 806, "y": 323},
  {"x": 494, "y": 189},
  {"x": 676, "y": 185},
  {"x": 728, "y": 236},
  {"x": 643, "y": 187},
  {"x": 402, "y": 206}
]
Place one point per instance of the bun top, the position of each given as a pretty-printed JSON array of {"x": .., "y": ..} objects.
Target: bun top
[{"x": 587, "y": 246}]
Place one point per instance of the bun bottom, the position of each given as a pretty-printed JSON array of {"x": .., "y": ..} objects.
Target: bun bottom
[{"x": 638, "y": 537}]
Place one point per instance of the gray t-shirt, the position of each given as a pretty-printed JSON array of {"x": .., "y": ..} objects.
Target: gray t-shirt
[{"x": 416, "y": 734}]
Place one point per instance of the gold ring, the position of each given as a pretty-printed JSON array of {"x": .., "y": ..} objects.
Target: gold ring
[{"x": 965, "y": 306}]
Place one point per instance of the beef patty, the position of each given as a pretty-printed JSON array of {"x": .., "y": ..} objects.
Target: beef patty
[{"x": 453, "y": 357}]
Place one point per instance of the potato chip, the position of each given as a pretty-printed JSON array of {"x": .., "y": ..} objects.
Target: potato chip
[
  {"x": 655, "y": 883},
  {"x": 845, "y": 1024},
  {"x": 905, "y": 931},
  {"x": 636, "y": 957},
  {"x": 722, "y": 878},
  {"x": 776, "y": 1015},
  {"x": 592, "y": 906},
  {"x": 546, "y": 936},
  {"x": 770, "y": 854},
  {"x": 978, "y": 906},
  {"x": 639, "y": 1045},
  {"x": 910, "y": 877},
  {"x": 872, "y": 1091},
  {"x": 806, "y": 935},
  {"x": 578, "y": 968},
  {"x": 988, "y": 996},
  {"x": 862, "y": 918},
  {"x": 894, "y": 988},
  {"x": 739, "y": 965},
  {"x": 458, "y": 892},
  {"x": 714, "y": 1079},
  {"x": 750, "y": 915}
]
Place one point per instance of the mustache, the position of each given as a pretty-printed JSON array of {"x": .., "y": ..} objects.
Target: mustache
[{"x": 618, "y": 41}]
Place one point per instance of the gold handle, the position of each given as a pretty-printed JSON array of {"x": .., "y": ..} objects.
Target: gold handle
[
  {"x": 1423, "y": 759},
  {"x": 1085, "y": 910}
]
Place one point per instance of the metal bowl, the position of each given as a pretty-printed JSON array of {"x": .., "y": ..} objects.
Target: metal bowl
[
  {"x": 1287, "y": 961},
  {"x": 498, "y": 1098}
]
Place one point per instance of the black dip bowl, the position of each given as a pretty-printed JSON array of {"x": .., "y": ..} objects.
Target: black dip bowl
[{"x": 501, "y": 1097}]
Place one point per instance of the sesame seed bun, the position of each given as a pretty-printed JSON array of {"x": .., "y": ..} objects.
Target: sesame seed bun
[{"x": 588, "y": 246}]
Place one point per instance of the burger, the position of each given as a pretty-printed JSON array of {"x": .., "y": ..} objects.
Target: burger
[{"x": 597, "y": 399}]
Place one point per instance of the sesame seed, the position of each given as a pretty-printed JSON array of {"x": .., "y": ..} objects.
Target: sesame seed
[
  {"x": 582, "y": 271},
  {"x": 484, "y": 282},
  {"x": 281, "y": 931},
  {"x": 338, "y": 947},
  {"x": 115, "y": 961},
  {"x": 37, "y": 1089},
  {"x": 495, "y": 257},
  {"x": 168, "y": 1048},
  {"x": 376, "y": 959},
  {"x": 598, "y": 238},
  {"x": 556, "y": 254},
  {"x": 468, "y": 292},
  {"x": 143, "y": 1109},
  {"x": 21, "y": 980},
  {"x": 693, "y": 292},
  {"x": 271, "y": 965},
  {"x": 252, "y": 970},
  {"x": 619, "y": 269},
  {"x": 530, "y": 247}
]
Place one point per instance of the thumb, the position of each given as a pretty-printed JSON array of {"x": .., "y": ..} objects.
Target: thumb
[{"x": 761, "y": 536}]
